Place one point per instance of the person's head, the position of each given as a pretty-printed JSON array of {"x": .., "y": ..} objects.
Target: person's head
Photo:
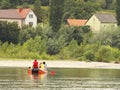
[
  {"x": 29, "y": 67},
  {"x": 35, "y": 60},
  {"x": 40, "y": 62},
  {"x": 44, "y": 62}
]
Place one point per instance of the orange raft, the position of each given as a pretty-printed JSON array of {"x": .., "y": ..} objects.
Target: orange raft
[
  {"x": 36, "y": 71},
  {"x": 41, "y": 71}
]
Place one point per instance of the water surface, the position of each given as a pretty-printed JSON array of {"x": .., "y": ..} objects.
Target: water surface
[{"x": 64, "y": 79}]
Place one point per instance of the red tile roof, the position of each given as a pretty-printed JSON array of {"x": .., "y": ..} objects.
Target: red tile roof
[
  {"x": 76, "y": 22},
  {"x": 23, "y": 12},
  {"x": 14, "y": 13}
]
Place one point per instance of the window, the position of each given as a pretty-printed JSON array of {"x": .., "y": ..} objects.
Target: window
[
  {"x": 30, "y": 15},
  {"x": 31, "y": 23}
]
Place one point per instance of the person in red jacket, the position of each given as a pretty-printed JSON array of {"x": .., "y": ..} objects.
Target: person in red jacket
[{"x": 35, "y": 64}]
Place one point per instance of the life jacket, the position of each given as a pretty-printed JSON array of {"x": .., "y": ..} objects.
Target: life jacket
[
  {"x": 35, "y": 64},
  {"x": 42, "y": 66}
]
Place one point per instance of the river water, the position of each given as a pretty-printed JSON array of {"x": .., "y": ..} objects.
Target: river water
[{"x": 63, "y": 79}]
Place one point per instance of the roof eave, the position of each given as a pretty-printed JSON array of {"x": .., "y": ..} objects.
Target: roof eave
[{"x": 11, "y": 18}]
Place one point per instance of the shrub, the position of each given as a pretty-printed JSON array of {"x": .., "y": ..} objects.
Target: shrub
[
  {"x": 105, "y": 54},
  {"x": 90, "y": 55}
]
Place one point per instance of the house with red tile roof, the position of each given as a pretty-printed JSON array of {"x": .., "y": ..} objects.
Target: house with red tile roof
[
  {"x": 21, "y": 16},
  {"x": 76, "y": 22}
]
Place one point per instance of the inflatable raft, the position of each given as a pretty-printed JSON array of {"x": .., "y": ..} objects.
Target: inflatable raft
[{"x": 37, "y": 71}]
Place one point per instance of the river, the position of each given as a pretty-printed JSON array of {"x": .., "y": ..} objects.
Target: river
[{"x": 63, "y": 79}]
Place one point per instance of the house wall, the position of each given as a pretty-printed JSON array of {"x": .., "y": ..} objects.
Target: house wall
[
  {"x": 94, "y": 24},
  {"x": 19, "y": 21},
  {"x": 108, "y": 26},
  {"x": 29, "y": 19}
]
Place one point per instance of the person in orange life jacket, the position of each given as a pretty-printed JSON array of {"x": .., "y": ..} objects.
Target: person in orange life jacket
[
  {"x": 35, "y": 64},
  {"x": 29, "y": 70}
]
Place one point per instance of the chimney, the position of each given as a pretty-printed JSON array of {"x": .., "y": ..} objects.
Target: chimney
[{"x": 20, "y": 9}]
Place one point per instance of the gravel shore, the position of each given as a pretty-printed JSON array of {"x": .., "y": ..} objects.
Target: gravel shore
[{"x": 60, "y": 64}]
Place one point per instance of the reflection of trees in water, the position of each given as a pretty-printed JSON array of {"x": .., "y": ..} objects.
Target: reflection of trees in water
[{"x": 13, "y": 73}]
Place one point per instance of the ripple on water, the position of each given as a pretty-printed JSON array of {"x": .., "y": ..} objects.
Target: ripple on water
[
  {"x": 19, "y": 80},
  {"x": 62, "y": 84}
]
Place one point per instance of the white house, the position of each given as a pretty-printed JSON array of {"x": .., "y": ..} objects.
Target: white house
[{"x": 21, "y": 16}]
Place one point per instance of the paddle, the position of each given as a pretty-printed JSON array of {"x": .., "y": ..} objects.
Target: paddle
[{"x": 52, "y": 73}]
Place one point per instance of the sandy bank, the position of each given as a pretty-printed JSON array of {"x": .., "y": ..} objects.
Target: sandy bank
[{"x": 60, "y": 64}]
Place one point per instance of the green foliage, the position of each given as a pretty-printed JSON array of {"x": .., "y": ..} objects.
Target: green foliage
[
  {"x": 116, "y": 39},
  {"x": 69, "y": 52},
  {"x": 79, "y": 33},
  {"x": 43, "y": 30},
  {"x": 90, "y": 55},
  {"x": 5, "y": 4},
  {"x": 108, "y": 4},
  {"x": 107, "y": 37},
  {"x": 25, "y": 5},
  {"x": 37, "y": 10},
  {"x": 55, "y": 45},
  {"x": 26, "y": 33},
  {"x": 79, "y": 9},
  {"x": 104, "y": 37},
  {"x": 4, "y": 47},
  {"x": 45, "y": 2},
  {"x": 14, "y": 3},
  {"x": 65, "y": 32},
  {"x": 35, "y": 45},
  {"x": 76, "y": 33},
  {"x": 87, "y": 52},
  {"x": 56, "y": 13},
  {"x": 105, "y": 54},
  {"x": 97, "y": 52},
  {"x": 118, "y": 11},
  {"x": 9, "y": 32}
]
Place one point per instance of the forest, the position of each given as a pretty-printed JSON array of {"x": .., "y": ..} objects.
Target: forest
[{"x": 52, "y": 39}]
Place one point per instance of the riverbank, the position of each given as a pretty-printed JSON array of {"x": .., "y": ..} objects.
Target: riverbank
[{"x": 60, "y": 64}]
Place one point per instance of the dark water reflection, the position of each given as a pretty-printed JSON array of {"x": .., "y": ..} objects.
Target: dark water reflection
[{"x": 64, "y": 79}]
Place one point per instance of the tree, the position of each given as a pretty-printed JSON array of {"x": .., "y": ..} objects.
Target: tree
[
  {"x": 25, "y": 34},
  {"x": 35, "y": 45},
  {"x": 37, "y": 10},
  {"x": 108, "y": 3},
  {"x": 79, "y": 33},
  {"x": 25, "y": 5},
  {"x": 118, "y": 11},
  {"x": 9, "y": 32},
  {"x": 5, "y": 4},
  {"x": 30, "y": 1},
  {"x": 45, "y": 2},
  {"x": 116, "y": 39},
  {"x": 14, "y": 3},
  {"x": 79, "y": 9},
  {"x": 56, "y": 13},
  {"x": 55, "y": 45},
  {"x": 69, "y": 52}
]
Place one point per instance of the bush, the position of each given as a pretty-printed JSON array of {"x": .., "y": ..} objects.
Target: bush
[
  {"x": 35, "y": 45},
  {"x": 105, "y": 54},
  {"x": 69, "y": 52},
  {"x": 9, "y": 32},
  {"x": 90, "y": 55}
]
